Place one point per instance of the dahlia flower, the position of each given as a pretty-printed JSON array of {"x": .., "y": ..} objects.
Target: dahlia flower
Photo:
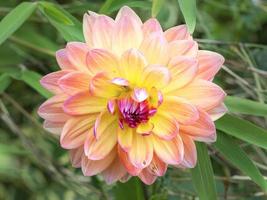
[{"x": 133, "y": 98}]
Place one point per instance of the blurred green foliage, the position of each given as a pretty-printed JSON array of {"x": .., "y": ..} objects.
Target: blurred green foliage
[{"x": 33, "y": 166}]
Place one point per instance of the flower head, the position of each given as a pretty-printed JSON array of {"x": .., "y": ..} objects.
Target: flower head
[{"x": 134, "y": 98}]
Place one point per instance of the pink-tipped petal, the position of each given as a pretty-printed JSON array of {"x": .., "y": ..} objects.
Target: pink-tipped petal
[
  {"x": 76, "y": 156},
  {"x": 151, "y": 26},
  {"x": 157, "y": 167},
  {"x": 147, "y": 177},
  {"x": 53, "y": 127},
  {"x": 209, "y": 63},
  {"x": 63, "y": 60},
  {"x": 217, "y": 112},
  {"x": 177, "y": 33},
  {"x": 120, "y": 81},
  {"x": 183, "y": 48},
  {"x": 190, "y": 152},
  {"x": 139, "y": 94}
]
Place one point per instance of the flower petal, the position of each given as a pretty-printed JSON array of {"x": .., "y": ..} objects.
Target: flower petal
[
  {"x": 63, "y": 60},
  {"x": 97, "y": 149},
  {"x": 147, "y": 177},
  {"x": 141, "y": 152},
  {"x": 190, "y": 152},
  {"x": 217, "y": 112},
  {"x": 76, "y": 156},
  {"x": 84, "y": 103},
  {"x": 155, "y": 76},
  {"x": 145, "y": 128},
  {"x": 75, "y": 131},
  {"x": 93, "y": 167},
  {"x": 209, "y": 64},
  {"x": 177, "y": 33},
  {"x": 102, "y": 123},
  {"x": 157, "y": 167},
  {"x": 201, "y": 130},
  {"x": 51, "y": 109},
  {"x": 150, "y": 26},
  {"x": 50, "y": 81},
  {"x": 203, "y": 94},
  {"x": 53, "y": 127},
  {"x": 74, "y": 82},
  {"x": 171, "y": 151},
  {"x": 183, "y": 48},
  {"x": 125, "y": 138}
]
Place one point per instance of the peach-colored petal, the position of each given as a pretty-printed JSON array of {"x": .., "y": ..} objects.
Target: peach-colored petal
[
  {"x": 155, "y": 76},
  {"x": 217, "y": 112},
  {"x": 209, "y": 64},
  {"x": 141, "y": 152},
  {"x": 125, "y": 178},
  {"x": 203, "y": 94},
  {"x": 182, "y": 110},
  {"x": 50, "y": 81},
  {"x": 201, "y": 130},
  {"x": 102, "y": 123},
  {"x": 182, "y": 69},
  {"x": 132, "y": 63},
  {"x": 75, "y": 131},
  {"x": 74, "y": 82},
  {"x": 157, "y": 167},
  {"x": 183, "y": 48},
  {"x": 51, "y": 109},
  {"x": 101, "y": 60},
  {"x": 170, "y": 152},
  {"x": 114, "y": 172},
  {"x": 93, "y": 167},
  {"x": 154, "y": 48},
  {"x": 128, "y": 33},
  {"x": 177, "y": 33},
  {"x": 190, "y": 152},
  {"x": 76, "y": 52},
  {"x": 76, "y": 156},
  {"x": 84, "y": 103},
  {"x": 151, "y": 26},
  {"x": 125, "y": 137},
  {"x": 102, "y": 86},
  {"x": 63, "y": 60},
  {"x": 147, "y": 177},
  {"x": 165, "y": 125},
  {"x": 97, "y": 149},
  {"x": 88, "y": 22},
  {"x": 124, "y": 158},
  {"x": 53, "y": 127}
]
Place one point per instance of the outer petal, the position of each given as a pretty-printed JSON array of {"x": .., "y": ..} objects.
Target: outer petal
[
  {"x": 93, "y": 167},
  {"x": 97, "y": 149},
  {"x": 141, "y": 152},
  {"x": 170, "y": 152},
  {"x": 132, "y": 63},
  {"x": 50, "y": 81},
  {"x": 128, "y": 33},
  {"x": 124, "y": 158},
  {"x": 183, "y": 48},
  {"x": 217, "y": 112},
  {"x": 147, "y": 177},
  {"x": 114, "y": 172},
  {"x": 177, "y": 33},
  {"x": 165, "y": 125},
  {"x": 190, "y": 152},
  {"x": 84, "y": 103},
  {"x": 209, "y": 64},
  {"x": 183, "y": 111},
  {"x": 75, "y": 131},
  {"x": 125, "y": 138},
  {"x": 100, "y": 60},
  {"x": 76, "y": 52},
  {"x": 203, "y": 94},
  {"x": 155, "y": 76},
  {"x": 157, "y": 167},
  {"x": 53, "y": 127},
  {"x": 74, "y": 82},
  {"x": 202, "y": 130},
  {"x": 154, "y": 48},
  {"x": 63, "y": 60},
  {"x": 151, "y": 26},
  {"x": 182, "y": 69},
  {"x": 51, "y": 109},
  {"x": 76, "y": 156}
]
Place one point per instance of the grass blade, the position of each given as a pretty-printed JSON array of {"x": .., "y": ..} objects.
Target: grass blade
[
  {"x": 202, "y": 175},
  {"x": 189, "y": 10},
  {"x": 156, "y": 6}
]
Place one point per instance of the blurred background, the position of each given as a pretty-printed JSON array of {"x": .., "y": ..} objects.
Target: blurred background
[{"x": 32, "y": 164}]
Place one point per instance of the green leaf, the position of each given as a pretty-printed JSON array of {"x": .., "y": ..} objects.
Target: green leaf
[
  {"x": 132, "y": 189},
  {"x": 245, "y": 106},
  {"x": 234, "y": 154},
  {"x": 156, "y": 6},
  {"x": 15, "y": 18},
  {"x": 189, "y": 10},
  {"x": 243, "y": 130},
  {"x": 202, "y": 175},
  {"x": 70, "y": 32},
  {"x": 5, "y": 81},
  {"x": 32, "y": 79},
  {"x": 55, "y": 13}
]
